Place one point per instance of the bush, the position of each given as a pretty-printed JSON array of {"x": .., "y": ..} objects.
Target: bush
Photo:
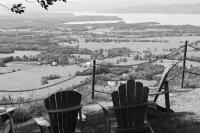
[
  {"x": 116, "y": 52},
  {"x": 6, "y": 59},
  {"x": 78, "y": 73},
  {"x": 2, "y": 65},
  {"x": 147, "y": 71},
  {"x": 136, "y": 57},
  {"x": 189, "y": 84},
  {"x": 37, "y": 109},
  {"x": 21, "y": 115},
  {"x": 99, "y": 70},
  {"x": 150, "y": 68},
  {"x": 119, "y": 70},
  {"x": 45, "y": 79}
]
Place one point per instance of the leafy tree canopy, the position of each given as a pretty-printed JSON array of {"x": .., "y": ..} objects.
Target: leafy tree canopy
[{"x": 19, "y": 8}]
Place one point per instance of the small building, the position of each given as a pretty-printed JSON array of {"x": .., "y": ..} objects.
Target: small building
[
  {"x": 88, "y": 64},
  {"x": 54, "y": 63}
]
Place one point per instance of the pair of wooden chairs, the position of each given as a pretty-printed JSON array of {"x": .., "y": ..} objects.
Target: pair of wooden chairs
[{"x": 130, "y": 103}]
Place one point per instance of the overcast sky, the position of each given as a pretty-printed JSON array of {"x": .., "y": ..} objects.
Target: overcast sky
[{"x": 88, "y": 5}]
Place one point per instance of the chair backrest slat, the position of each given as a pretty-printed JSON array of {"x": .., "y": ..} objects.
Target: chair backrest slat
[
  {"x": 115, "y": 99},
  {"x": 138, "y": 100},
  {"x": 131, "y": 100},
  {"x": 54, "y": 123},
  {"x": 58, "y": 100},
  {"x": 123, "y": 102}
]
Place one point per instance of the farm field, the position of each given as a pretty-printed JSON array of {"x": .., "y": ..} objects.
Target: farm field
[
  {"x": 156, "y": 47},
  {"x": 30, "y": 77}
]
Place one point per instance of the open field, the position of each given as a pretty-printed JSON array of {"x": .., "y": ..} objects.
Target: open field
[
  {"x": 156, "y": 47},
  {"x": 30, "y": 77}
]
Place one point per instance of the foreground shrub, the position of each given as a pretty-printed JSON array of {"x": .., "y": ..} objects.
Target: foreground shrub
[
  {"x": 147, "y": 71},
  {"x": 21, "y": 115},
  {"x": 37, "y": 109},
  {"x": 189, "y": 84}
]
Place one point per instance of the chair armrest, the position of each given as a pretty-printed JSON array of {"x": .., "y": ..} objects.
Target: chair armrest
[
  {"x": 8, "y": 111},
  {"x": 105, "y": 110},
  {"x": 11, "y": 109},
  {"x": 132, "y": 106},
  {"x": 42, "y": 122}
]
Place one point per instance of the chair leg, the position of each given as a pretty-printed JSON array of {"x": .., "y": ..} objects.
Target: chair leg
[
  {"x": 150, "y": 128},
  {"x": 41, "y": 129},
  {"x": 12, "y": 130},
  {"x": 108, "y": 124}
]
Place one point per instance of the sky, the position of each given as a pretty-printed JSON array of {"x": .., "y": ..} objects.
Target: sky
[{"x": 89, "y": 5}]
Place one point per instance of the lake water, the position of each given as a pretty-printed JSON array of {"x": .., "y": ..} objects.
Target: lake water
[
  {"x": 164, "y": 19},
  {"x": 93, "y": 22}
]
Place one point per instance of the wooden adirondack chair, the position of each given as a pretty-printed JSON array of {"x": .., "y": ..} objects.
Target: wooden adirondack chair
[
  {"x": 163, "y": 80},
  {"x": 130, "y": 104},
  {"x": 63, "y": 108},
  {"x": 157, "y": 110}
]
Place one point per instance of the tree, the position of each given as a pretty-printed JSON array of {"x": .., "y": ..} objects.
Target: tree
[
  {"x": 63, "y": 60},
  {"x": 19, "y": 8}
]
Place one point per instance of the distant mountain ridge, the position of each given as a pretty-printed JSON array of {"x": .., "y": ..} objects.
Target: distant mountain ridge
[{"x": 173, "y": 8}]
